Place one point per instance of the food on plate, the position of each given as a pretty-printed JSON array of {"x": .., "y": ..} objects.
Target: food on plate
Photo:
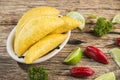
[
  {"x": 69, "y": 24},
  {"x": 44, "y": 46},
  {"x": 34, "y": 13},
  {"x": 37, "y": 29},
  {"x": 81, "y": 71},
  {"x": 96, "y": 54},
  {"x": 34, "y": 30},
  {"x": 79, "y": 17},
  {"x": 74, "y": 57}
]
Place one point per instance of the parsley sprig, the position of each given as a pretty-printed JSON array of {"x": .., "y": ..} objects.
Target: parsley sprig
[
  {"x": 102, "y": 26},
  {"x": 37, "y": 73}
]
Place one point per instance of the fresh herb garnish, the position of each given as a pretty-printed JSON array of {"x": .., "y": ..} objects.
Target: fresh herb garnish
[
  {"x": 37, "y": 73},
  {"x": 92, "y": 16},
  {"x": 102, "y": 26}
]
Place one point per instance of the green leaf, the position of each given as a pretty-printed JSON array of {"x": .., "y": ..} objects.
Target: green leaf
[
  {"x": 37, "y": 73},
  {"x": 102, "y": 26},
  {"x": 92, "y": 16}
]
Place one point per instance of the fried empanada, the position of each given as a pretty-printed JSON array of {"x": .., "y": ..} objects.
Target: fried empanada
[
  {"x": 34, "y": 13},
  {"x": 44, "y": 45},
  {"x": 34, "y": 30},
  {"x": 69, "y": 24}
]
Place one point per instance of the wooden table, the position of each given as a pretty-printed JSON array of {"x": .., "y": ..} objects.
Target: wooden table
[{"x": 12, "y": 10}]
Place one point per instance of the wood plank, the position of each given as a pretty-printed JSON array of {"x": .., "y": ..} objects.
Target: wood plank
[
  {"x": 12, "y": 10},
  {"x": 10, "y": 13},
  {"x": 60, "y": 70}
]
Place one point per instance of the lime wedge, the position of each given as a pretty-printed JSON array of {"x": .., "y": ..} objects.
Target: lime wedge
[
  {"x": 77, "y": 16},
  {"x": 115, "y": 53},
  {"x": 107, "y": 76},
  {"x": 74, "y": 57},
  {"x": 116, "y": 19}
]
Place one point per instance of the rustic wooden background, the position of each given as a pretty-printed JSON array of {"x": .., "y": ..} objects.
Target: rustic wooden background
[{"x": 12, "y": 10}]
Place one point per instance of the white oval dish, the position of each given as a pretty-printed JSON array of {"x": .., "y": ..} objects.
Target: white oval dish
[{"x": 12, "y": 54}]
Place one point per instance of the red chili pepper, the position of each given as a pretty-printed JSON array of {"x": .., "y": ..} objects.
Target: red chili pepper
[
  {"x": 118, "y": 42},
  {"x": 81, "y": 72},
  {"x": 96, "y": 54}
]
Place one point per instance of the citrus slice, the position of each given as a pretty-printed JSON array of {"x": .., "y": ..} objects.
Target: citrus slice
[
  {"x": 77, "y": 16},
  {"x": 115, "y": 53},
  {"x": 116, "y": 19},
  {"x": 107, "y": 76},
  {"x": 74, "y": 57}
]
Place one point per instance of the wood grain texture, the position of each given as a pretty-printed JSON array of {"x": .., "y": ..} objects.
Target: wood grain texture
[{"x": 12, "y": 10}]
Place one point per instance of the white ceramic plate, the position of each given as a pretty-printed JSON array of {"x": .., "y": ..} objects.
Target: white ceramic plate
[{"x": 21, "y": 59}]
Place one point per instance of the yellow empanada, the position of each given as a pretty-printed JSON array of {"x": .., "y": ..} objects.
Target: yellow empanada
[
  {"x": 34, "y": 30},
  {"x": 69, "y": 24},
  {"x": 34, "y": 13},
  {"x": 44, "y": 45}
]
